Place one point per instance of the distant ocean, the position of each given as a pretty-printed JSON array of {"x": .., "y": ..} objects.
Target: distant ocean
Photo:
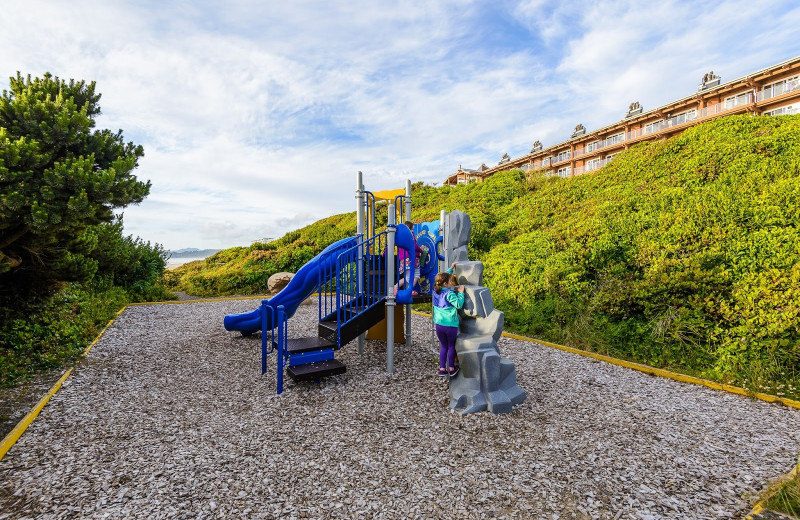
[
  {"x": 172, "y": 263},
  {"x": 184, "y": 256}
]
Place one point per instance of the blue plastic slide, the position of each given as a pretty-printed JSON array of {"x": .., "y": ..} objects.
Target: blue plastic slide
[{"x": 301, "y": 286}]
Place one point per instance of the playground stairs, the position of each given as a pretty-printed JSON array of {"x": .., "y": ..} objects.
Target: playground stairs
[{"x": 311, "y": 358}]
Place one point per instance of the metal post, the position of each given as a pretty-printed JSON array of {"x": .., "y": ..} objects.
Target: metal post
[
  {"x": 391, "y": 230},
  {"x": 411, "y": 274},
  {"x": 281, "y": 331},
  {"x": 360, "y": 231},
  {"x": 443, "y": 263}
]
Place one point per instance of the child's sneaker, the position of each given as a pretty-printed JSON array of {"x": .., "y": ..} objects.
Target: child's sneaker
[
  {"x": 453, "y": 371},
  {"x": 443, "y": 372}
]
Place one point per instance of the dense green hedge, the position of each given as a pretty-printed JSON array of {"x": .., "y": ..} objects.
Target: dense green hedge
[{"x": 680, "y": 253}]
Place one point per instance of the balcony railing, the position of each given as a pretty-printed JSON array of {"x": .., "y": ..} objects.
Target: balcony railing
[
  {"x": 772, "y": 91},
  {"x": 591, "y": 166},
  {"x": 784, "y": 111}
]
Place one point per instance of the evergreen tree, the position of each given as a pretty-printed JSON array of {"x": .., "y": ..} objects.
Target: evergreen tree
[{"x": 59, "y": 177}]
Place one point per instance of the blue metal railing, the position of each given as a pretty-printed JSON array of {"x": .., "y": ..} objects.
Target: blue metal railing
[
  {"x": 326, "y": 281},
  {"x": 274, "y": 337},
  {"x": 360, "y": 281}
]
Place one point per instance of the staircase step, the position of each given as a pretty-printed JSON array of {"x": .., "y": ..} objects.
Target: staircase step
[
  {"x": 298, "y": 345},
  {"x": 327, "y": 330},
  {"x": 313, "y": 371}
]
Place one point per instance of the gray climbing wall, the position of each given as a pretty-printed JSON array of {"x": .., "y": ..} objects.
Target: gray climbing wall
[{"x": 486, "y": 381}]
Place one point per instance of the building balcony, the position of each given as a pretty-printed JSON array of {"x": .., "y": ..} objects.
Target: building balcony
[
  {"x": 777, "y": 90},
  {"x": 590, "y": 166}
]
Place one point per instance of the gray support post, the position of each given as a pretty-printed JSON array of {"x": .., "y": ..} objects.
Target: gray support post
[
  {"x": 360, "y": 231},
  {"x": 442, "y": 266},
  {"x": 391, "y": 230},
  {"x": 442, "y": 219},
  {"x": 410, "y": 275}
]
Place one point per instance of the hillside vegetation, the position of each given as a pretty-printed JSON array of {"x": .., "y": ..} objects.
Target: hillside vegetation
[{"x": 680, "y": 253}]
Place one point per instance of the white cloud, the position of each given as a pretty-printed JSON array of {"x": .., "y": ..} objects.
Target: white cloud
[{"x": 256, "y": 116}]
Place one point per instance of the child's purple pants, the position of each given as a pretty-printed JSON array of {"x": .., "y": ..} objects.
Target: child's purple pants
[{"x": 447, "y": 338}]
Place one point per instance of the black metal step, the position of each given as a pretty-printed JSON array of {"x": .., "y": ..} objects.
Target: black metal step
[
  {"x": 354, "y": 328},
  {"x": 298, "y": 345},
  {"x": 355, "y": 306},
  {"x": 317, "y": 370}
]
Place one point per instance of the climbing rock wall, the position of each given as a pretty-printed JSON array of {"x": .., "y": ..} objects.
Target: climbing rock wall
[
  {"x": 459, "y": 228},
  {"x": 486, "y": 381}
]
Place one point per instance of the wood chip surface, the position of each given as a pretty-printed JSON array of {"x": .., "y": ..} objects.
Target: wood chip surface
[{"x": 169, "y": 417}]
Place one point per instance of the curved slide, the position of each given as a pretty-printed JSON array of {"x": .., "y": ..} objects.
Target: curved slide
[
  {"x": 301, "y": 286},
  {"x": 404, "y": 239}
]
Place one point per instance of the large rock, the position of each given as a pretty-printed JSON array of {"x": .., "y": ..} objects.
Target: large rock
[
  {"x": 478, "y": 301},
  {"x": 278, "y": 281},
  {"x": 460, "y": 227},
  {"x": 491, "y": 325},
  {"x": 469, "y": 272},
  {"x": 486, "y": 381}
]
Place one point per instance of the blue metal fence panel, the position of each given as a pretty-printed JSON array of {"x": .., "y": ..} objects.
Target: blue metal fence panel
[{"x": 370, "y": 255}]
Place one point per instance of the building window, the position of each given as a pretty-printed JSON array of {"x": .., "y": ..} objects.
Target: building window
[
  {"x": 681, "y": 118},
  {"x": 614, "y": 139},
  {"x": 609, "y": 157},
  {"x": 592, "y": 146},
  {"x": 783, "y": 111},
  {"x": 779, "y": 87},
  {"x": 738, "y": 100},
  {"x": 594, "y": 164},
  {"x": 563, "y": 156},
  {"x": 564, "y": 172},
  {"x": 652, "y": 127}
]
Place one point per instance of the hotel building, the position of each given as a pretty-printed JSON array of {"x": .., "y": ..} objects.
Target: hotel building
[{"x": 771, "y": 91}]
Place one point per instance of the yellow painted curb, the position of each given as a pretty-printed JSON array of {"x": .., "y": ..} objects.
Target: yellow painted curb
[
  {"x": 760, "y": 507},
  {"x": 654, "y": 371},
  {"x": 14, "y": 435},
  {"x": 756, "y": 510},
  {"x": 664, "y": 373}
]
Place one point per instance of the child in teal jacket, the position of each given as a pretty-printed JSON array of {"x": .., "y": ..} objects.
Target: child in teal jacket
[{"x": 446, "y": 302}]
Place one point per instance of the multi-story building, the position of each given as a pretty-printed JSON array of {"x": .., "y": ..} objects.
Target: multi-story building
[{"x": 771, "y": 91}]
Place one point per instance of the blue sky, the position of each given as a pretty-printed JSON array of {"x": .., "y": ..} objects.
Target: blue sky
[{"x": 255, "y": 116}]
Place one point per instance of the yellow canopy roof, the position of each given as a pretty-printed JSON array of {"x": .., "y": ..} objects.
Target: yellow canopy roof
[{"x": 388, "y": 194}]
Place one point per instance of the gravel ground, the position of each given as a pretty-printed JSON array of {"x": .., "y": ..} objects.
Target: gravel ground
[{"x": 169, "y": 417}]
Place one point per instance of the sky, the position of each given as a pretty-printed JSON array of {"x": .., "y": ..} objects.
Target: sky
[{"x": 256, "y": 115}]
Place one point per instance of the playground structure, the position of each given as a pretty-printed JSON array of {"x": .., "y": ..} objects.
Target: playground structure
[{"x": 355, "y": 279}]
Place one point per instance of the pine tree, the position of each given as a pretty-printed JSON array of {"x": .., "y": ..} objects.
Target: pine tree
[{"x": 58, "y": 178}]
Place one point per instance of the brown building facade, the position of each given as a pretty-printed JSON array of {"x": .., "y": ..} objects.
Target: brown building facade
[{"x": 772, "y": 91}]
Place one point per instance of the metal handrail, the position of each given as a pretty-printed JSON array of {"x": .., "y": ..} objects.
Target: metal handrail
[
  {"x": 372, "y": 253},
  {"x": 273, "y": 318}
]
